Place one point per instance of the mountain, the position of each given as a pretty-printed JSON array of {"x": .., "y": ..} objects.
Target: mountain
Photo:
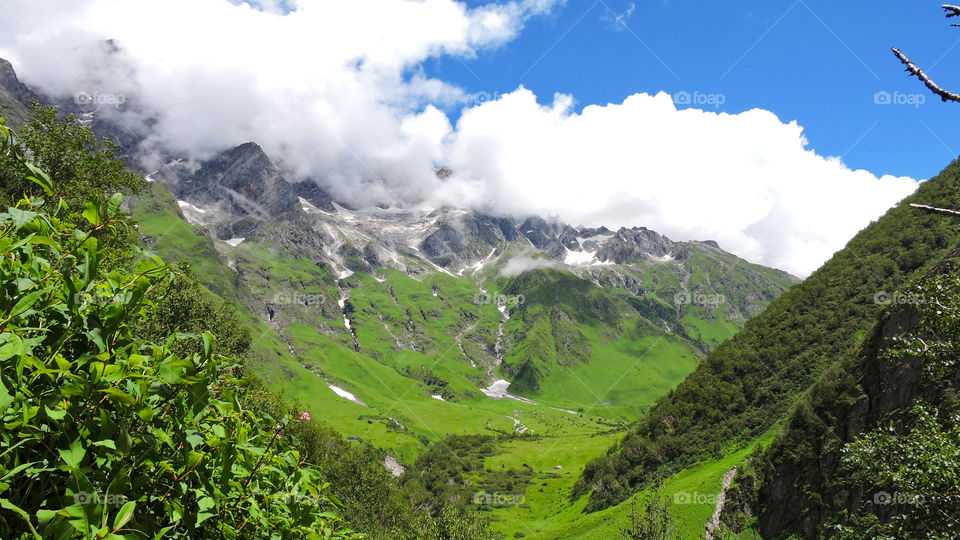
[{"x": 681, "y": 288}]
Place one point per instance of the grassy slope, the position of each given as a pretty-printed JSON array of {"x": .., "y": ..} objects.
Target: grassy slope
[
  {"x": 628, "y": 367},
  {"x": 549, "y": 515}
]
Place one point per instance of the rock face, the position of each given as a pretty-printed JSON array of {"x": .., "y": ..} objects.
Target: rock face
[
  {"x": 464, "y": 236},
  {"x": 245, "y": 181},
  {"x": 15, "y": 97},
  {"x": 310, "y": 191},
  {"x": 637, "y": 244},
  {"x": 240, "y": 193}
]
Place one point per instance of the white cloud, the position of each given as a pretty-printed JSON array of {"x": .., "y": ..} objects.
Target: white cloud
[
  {"x": 326, "y": 88},
  {"x": 747, "y": 180},
  {"x": 333, "y": 90},
  {"x": 519, "y": 265}
]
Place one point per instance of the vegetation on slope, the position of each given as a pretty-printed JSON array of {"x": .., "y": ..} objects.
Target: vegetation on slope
[
  {"x": 870, "y": 450},
  {"x": 752, "y": 380}
]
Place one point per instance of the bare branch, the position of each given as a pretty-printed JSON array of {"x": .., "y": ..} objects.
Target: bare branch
[
  {"x": 912, "y": 69},
  {"x": 937, "y": 210}
]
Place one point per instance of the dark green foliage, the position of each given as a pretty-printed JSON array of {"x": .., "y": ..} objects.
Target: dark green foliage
[
  {"x": 449, "y": 469},
  {"x": 451, "y": 477},
  {"x": 372, "y": 500},
  {"x": 211, "y": 455},
  {"x": 917, "y": 475},
  {"x": 83, "y": 170},
  {"x": 864, "y": 449},
  {"x": 80, "y": 164},
  {"x": 751, "y": 381},
  {"x": 183, "y": 305}
]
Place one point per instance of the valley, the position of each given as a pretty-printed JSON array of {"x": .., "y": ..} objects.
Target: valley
[{"x": 490, "y": 335}]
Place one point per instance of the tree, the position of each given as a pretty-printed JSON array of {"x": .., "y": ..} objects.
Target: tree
[
  {"x": 79, "y": 163},
  {"x": 913, "y": 70},
  {"x": 650, "y": 519},
  {"x": 81, "y": 170}
]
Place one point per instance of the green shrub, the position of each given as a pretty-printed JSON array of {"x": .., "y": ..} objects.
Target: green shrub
[{"x": 107, "y": 435}]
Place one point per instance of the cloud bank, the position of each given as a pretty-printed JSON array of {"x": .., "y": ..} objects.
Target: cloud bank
[{"x": 333, "y": 91}]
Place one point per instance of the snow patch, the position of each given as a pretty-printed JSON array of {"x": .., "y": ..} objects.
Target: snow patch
[
  {"x": 498, "y": 390},
  {"x": 574, "y": 258},
  {"x": 236, "y": 241},
  {"x": 440, "y": 398},
  {"x": 184, "y": 205},
  {"x": 345, "y": 395}
]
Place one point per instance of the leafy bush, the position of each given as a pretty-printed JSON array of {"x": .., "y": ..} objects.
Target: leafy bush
[{"x": 106, "y": 435}]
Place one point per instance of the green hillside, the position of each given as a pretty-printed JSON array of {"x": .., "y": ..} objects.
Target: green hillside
[{"x": 752, "y": 380}]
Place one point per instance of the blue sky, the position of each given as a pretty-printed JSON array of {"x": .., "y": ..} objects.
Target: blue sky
[{"x": 819, "y": 62}]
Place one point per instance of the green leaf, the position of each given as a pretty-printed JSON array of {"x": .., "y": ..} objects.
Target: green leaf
[
  {"x": 91, "y": 212},
  {"x": 124, "y": 515},
  {"x": 106, "y": 444},
  {"x": 119, "y": 395},
  {"x": 20, "y": 217},
  {"x": 5, "y": 398},
  {"x": 44, "y": 516},
  {"x": 55, "y": 414},
  {"x": 163, "y": 532},
  {"x": 25, "y": 303},
  {"x": 113, "y": 205},
  {"x": 40, "y": 177},
  {"x": 74, "y": 455},
  {"x": 4, "y": 503},
  {"x": 17, "y": 469},
  {"x": 208, "y": 340}
]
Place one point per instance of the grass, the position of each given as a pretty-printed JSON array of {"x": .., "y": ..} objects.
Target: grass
[{"x": 549, "y": 515}]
